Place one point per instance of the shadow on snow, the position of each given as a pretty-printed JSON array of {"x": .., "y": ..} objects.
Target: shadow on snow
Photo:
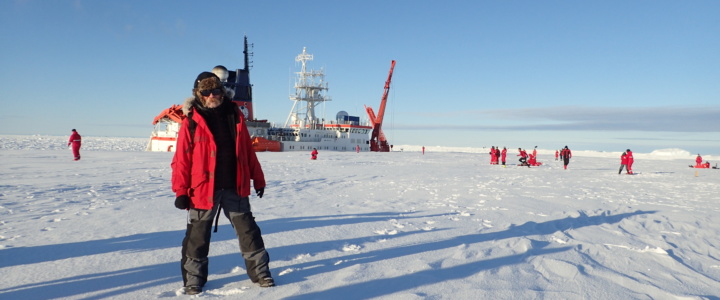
[
  {"x": 386, "y": 286},
  {"x": 112, "y": 283}
]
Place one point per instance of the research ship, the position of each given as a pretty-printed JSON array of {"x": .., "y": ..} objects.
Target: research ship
[{"x": 303, "y": 129}]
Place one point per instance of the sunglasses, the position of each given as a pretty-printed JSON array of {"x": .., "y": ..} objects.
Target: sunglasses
[{"x": 215, "y": 92}]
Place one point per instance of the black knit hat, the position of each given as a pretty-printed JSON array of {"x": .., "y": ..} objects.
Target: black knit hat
[{"x": 202, "y": 76}]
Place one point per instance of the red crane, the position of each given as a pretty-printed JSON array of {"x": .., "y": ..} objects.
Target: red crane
[{"x": 378, "y": 142}]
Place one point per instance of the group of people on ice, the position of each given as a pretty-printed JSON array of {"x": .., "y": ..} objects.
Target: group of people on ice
[
  {"x": 528, "y": 159},
  {"x": 699, "y": 163},
  {"x": 626, "y": 161},
  {"x": 497, "y": 155},
  {"x": 564, "y": 155}
]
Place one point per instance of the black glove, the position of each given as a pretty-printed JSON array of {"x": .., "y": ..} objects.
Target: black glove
[
  {"x": 260, "y": 192},
  {"x": 182, "y": 202}
]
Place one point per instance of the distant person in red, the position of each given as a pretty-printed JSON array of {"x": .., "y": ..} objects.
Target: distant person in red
[
  {"x": 630, "y": 161},
  {"x": 503, "y": 154},
  {"x": 497, "y": 155},
  {"x": 423, "y": 150},
  {"x": 523, "y": 157},
  {"x": 493, "y": 156},
  {"x": 535, "y": 152},
  {"x": 357, "y": 148},
  {"x": 566, "y": 155},
  {"x": 698, "y": 161},
  {"x": 314, "y": 154},
  {"x": 75, "y": 142},
  {"x": 623, "y": 162},
  {"x": 557, "y": 153}
]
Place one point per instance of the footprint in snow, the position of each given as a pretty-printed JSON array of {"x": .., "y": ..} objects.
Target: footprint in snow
[
  {"x": 302, "y": 256},
  {"x": 557, "y": 240},
  {"x": 286, "y": 271},
  {"x": 386, "y": 232},
  {"x": 351, "y": 247}
]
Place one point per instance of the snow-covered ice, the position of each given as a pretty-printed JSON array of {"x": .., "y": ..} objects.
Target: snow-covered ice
[{"x": 400, "y": 225}]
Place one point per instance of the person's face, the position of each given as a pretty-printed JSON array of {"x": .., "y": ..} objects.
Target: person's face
[{"x": 211, "y": 98}]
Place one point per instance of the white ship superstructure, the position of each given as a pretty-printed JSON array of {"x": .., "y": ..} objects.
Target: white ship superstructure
[{"x": 304, "y": 129}]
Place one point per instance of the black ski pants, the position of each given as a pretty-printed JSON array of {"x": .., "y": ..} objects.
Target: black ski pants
[{"x": 196, "y": 244}]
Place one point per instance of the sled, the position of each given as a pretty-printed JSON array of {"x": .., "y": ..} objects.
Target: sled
[{"x": 702, "y": 166}]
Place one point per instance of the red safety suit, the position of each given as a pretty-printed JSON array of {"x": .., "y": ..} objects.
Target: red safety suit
[
  {"x": 493, "y": 156},
  {"x": 193, "y": 165},
  {"x": 75, "y": 140},
  {"x": 630, "y": 161}
]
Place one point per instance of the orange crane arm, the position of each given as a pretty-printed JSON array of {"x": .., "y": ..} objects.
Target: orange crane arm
[
  {"x": 381, "y": 112},
  {"x": 378, "y": 141}
]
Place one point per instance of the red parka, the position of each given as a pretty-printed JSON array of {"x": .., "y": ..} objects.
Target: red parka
[
  {"x": 193, "y": 166},
  {"x": 522, "y": 154},
  {"x": 74, "y": 138},
  {"x": 623, "y": 159},
  {"x": 566, "y": 153}
]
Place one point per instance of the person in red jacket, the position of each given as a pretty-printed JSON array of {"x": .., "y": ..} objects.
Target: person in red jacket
[
  {"x": 313, "y": 154},
  {"x": 698, "y": 161},
  {"x": 623, "y": 162},
  {"x": 503, "y": 154},
  {"x": 75, "y": 141},
  {"x": 556, "y": 154},
  {"x": 630, "y": 161},
  {"x": 493, "y": 156},
  {"x": 523, "y": 157},
  {"x": 211, "y": 171},
  {"x": 566, "y": 155}
]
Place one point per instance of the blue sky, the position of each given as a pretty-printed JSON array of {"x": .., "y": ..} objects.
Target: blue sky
[{"x": 593, "y": 75}]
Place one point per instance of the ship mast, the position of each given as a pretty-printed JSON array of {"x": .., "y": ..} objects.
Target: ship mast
[{"x": 310, "y": 89}]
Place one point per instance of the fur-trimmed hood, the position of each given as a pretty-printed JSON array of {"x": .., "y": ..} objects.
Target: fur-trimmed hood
[{"x": 189, "y": 103}]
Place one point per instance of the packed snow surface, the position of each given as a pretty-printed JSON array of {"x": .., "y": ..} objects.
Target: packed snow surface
[{"x": 399, "y": 225}]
